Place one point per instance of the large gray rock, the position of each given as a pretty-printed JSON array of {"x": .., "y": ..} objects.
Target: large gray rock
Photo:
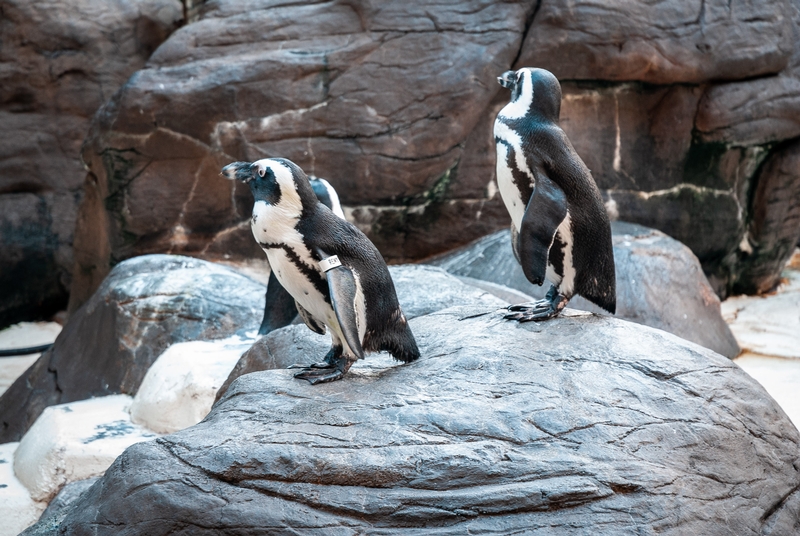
[
  {"x": 580, "y": 425},
  {"x": 59, "y": 62},
  {"x": 145, "y": 305},
  {"x": 421, "y": 290},
  {"x": 659, "y": 283}
]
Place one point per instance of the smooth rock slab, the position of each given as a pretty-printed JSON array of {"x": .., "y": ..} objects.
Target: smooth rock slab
[
  {"x": 17, "y": 510},
  {"x": 179, "y": 389},
  {"x": 75, "y": 441},
  {"x": 580, "y": 425},
  {"x": 659, "y": 282}
]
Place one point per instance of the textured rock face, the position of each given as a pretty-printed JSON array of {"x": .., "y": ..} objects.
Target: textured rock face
[
  {"x": 59, "y": 62},
  {"x": 659, "y": 283},
  {"x": 386, "y": 101},
  {"x": 579, "y": 425},
  {"x": 675, "y": 106},
  {"x": 660, "y": 42},
  {"x": 145, "y": 305}
]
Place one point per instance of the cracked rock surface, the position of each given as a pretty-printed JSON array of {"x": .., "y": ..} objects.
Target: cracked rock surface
[
  {"x": 581, "y": 425},
  {"x": 145, "y": 305}
]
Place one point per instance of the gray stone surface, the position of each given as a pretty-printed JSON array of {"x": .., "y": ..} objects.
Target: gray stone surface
[
  {"x": 659, "y": 282},
  {"x": 145, "y": 305},
  {"x": 581, "y": 425},
  {"x": 421, "y": 290}
]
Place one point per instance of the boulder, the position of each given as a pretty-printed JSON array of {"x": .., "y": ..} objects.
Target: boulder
[
  {"x": 577, "y": 425},
  {"x": 76, "y": 441},
  {"x": 145, "y": 305},
  {"x": 179, "y": 389},
  {"x": 659, "y": 282},
  {"x": 60, "y": 61},
  {"x": 421, "y": 290}
]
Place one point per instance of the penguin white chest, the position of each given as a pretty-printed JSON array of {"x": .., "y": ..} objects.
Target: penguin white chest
[
  {"x": 511, "y": 159},
  {"x": 289, "y": 258}
]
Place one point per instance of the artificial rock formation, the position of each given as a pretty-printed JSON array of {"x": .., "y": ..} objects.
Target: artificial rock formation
[
  {"x": 394, "y": 104},
  {"x": 59, "y": 62},
  {"x": 583, "y": 424},
  {"x": 145, "y": 305},
  {"x": 659, "y": 282}
]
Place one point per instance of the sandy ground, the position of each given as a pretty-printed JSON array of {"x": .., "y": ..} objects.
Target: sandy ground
[
  {"x": 23, "y": 335},
  {"x": 768, "y": 331}
]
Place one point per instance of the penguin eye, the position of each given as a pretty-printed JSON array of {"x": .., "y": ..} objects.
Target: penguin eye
[{"x": 261, "y": 172}]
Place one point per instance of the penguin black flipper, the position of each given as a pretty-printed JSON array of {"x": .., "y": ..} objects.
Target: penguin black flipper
[
  {"x": 546, "y": 210},
  {"x": 309, "y": 320}
]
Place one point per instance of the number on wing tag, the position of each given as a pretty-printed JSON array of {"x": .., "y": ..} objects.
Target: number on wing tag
[{"x": 330, "y": 263}]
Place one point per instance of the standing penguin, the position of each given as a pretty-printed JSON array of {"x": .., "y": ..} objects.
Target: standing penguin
[
  {"x": 335, "y": 274},
  {"x": 279, "y": 307},
  {"x": 560, "y": 230}
]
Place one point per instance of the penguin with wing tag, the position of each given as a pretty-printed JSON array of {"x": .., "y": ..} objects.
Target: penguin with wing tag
[
  {"x": 336, "y": 276},
  {"x": 560, "y": 230},
  {"x": 279, "y": 306}
]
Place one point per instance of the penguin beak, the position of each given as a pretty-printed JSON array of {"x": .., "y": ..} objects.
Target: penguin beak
[
  {"x": 238, "y": 171},
  {"x": 507, "y": 79}
]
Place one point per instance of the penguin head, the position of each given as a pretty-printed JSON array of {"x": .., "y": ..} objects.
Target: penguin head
[
  {"x": 535, "y": 90},
  {"x": 275, "y": 181}
]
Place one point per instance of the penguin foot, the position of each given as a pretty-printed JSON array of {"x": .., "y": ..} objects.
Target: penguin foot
[
  {"x": 315, "y": 376},
  {"x": 539, "y": 310},
  {"x": 334, "y": 371},
  {"x": 319, "y": 365}
]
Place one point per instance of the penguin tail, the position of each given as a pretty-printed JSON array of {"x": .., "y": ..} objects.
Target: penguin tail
[
  {"x": 400, "y": 342},
  {"x": 604, "y": 296}
]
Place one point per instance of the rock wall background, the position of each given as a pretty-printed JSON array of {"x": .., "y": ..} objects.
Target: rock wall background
[
  {"x": 59, "y": 62},
  {"x": 687, "y": 112}
]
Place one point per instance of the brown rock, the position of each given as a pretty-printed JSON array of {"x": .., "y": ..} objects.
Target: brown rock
[
  {"x": 59, "y": 61},
  {"x": 774, "y": 227},
  {"x": 755, "y": 111},
  {"x": 680, "y": 41},
  {"x": 380, "y": 100}
]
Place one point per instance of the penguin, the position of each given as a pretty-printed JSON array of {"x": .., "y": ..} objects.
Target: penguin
[
  {"x": 279, "y": 308},
  {"x": 337, "y": 277},
  {"x": 559, "y": 227}
]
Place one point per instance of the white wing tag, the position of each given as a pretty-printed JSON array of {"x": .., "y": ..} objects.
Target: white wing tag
[{"x": 330, "y": 263}]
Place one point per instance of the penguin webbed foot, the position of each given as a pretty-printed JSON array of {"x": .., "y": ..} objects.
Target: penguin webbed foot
[
  {"x": 329, "y": 361},
  {"x": 328, "y": 374},
  {"x": 539, "y": 310}
]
